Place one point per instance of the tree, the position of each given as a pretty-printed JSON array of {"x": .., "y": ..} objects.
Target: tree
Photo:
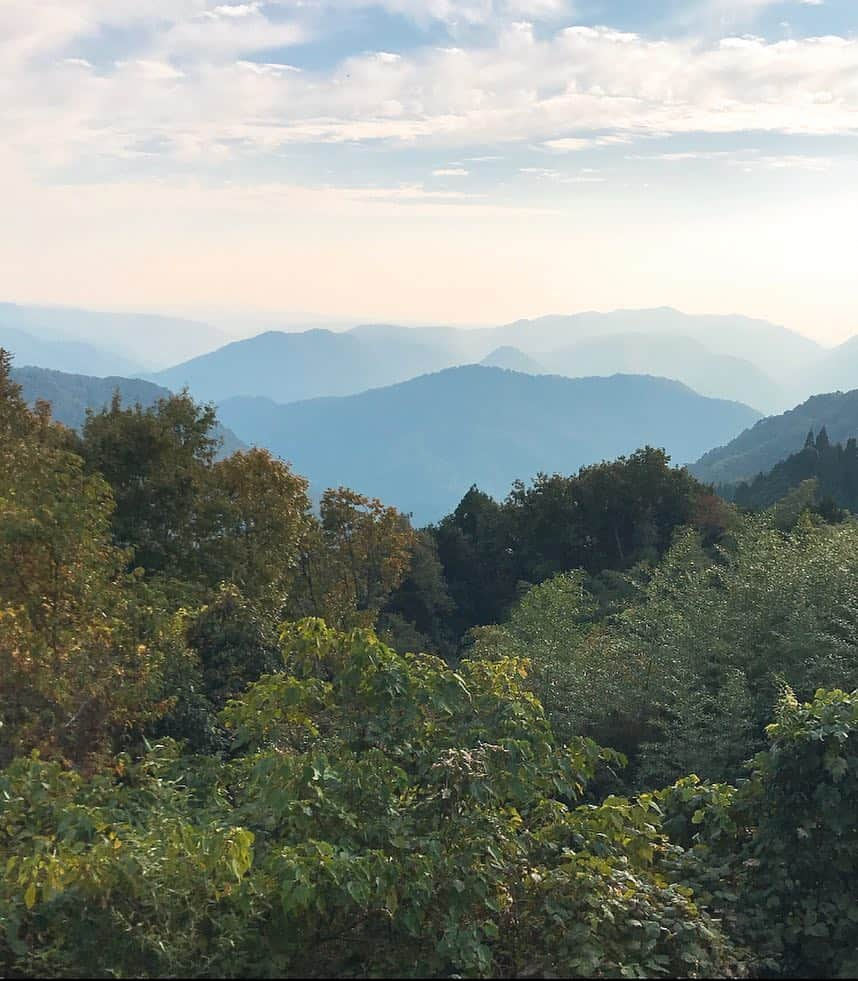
[
  {"x": 16, "y": 422},
  {"x": 355, "y": 556},
  {"x": 157, "y": 462},
  {"x": 257, "y": 526},
  {"x": 417, "y": 615},
  {"x": 776, "y": 859},
  {"x": 236, "y": 644},
  {"x": 477, "y": 559},
  {"x": 74, "y": 674}
]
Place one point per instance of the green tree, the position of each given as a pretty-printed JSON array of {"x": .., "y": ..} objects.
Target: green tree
[
  {"x": 74, "y": 672},
  {"x": 777, "y": 858},
  {"x": 257, "y": 526},
  {"x": 355, "y": 556},
  {"x": 157, "y": 462}
]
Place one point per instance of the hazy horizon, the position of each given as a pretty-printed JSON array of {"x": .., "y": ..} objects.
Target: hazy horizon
[
  {"x": 449, "y": 161},
  {"x": 235, "y": 325}
]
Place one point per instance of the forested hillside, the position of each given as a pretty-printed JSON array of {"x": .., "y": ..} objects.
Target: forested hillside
[
  {"x": 422, "y": 443},
  {"x": 625, "y": 748},
  {"x": 72, "y": 396},
  {"x": 826, "y": 472},
  {"x": 763, "y": 445}
]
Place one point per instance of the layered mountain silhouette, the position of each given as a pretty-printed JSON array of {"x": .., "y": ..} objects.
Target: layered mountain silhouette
[
  {"x": 134, "y": 341},
  {"x": 752, "y": 361},
  {"x": 420, "y": 444},
  {"x": 295, "y": 366},
  {"x": 762, "y": 446},
  {"x": 775, "y": 350},
  {"x": 835, "y": 371},
  {"x": 671, "y": 356},
  {"x": 63, "y": 355},
  {"x": 725, "y": 357}
]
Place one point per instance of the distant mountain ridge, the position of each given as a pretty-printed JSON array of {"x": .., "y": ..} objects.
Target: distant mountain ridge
[
  {"x": 135, "y": 341},
  {"x": 421, "y": 443},
  {"x": 773, "y": 348},
  {"x": 60, "y": 354},
  {"x": 670, "y": 356},
  {"x": 513, "y": 360},
  {"x": 712, "y": 354},
  {"x": 290, "y": 367},
  {"x": 732, "y": 357}
]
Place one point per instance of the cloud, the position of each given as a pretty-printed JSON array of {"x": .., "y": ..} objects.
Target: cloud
[
  {"x": 236, "y": 10},
  {"x": 585, "y": 176},
  {"x": 450, "y": 172},
  {"x": 749, "y": 160},
  {"x": 193, "y": 89}
]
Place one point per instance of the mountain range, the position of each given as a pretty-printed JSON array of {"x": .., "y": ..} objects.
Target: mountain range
[
  {"x": 103, "y": 343},
  {"x": 737, "y": 358},
  {"x": 574, "y": 389},
  {"x": 420, "y": 444},
  {"x": 732, "y": 357}
]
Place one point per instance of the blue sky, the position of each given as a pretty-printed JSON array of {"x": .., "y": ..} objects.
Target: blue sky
[{"x": 460, "y": 161}]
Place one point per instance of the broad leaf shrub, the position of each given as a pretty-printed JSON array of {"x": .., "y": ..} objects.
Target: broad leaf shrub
[
  {"x": 777, "y": 858},
  {"x": 380, "y": 815}
]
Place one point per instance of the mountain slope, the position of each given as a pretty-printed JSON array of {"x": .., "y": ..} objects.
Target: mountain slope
[
  {"x": 835, "y": 371},
  {"x": 670, "y": 356},
  {"x": 774, "y": 349},
  {"x": 421, "y": 444},
  {"x": 513, "y": 360},
  {"x": 718, "y": 356},
  {"x": 139, "y": 339},
  {"x": 773, "y": 439},
  {"x": 71, "y": 395},
  {"x": 60, "y": 354},
  {"x": 291, "y": 367}
]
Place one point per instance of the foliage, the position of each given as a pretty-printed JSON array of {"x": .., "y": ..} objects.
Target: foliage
[
  {"x": 236, "y": 644},
  {"x": 611, "y": 516},
  {"x": 156, "y": 461},
  {"x": 118, "y": 875},
  {"x": 356, "y": 555},
  {"x": 778, "y": 857},
  {"x": 76, "y": 665},
  {"x": 258, "y": 525},
  {"x": 683, "y": 676},
  {"x": 385, "y": 815},
  {"x": 549, "y": 626},
  {"x": 831, "y": 470}
]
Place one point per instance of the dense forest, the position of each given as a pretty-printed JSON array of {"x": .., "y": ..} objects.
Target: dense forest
[
  {"x": 827, "y": 471},
  {"x": 601, "y": 727}
]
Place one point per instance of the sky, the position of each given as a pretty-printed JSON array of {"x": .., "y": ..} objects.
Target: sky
[{"x": 446, "y": 161}]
